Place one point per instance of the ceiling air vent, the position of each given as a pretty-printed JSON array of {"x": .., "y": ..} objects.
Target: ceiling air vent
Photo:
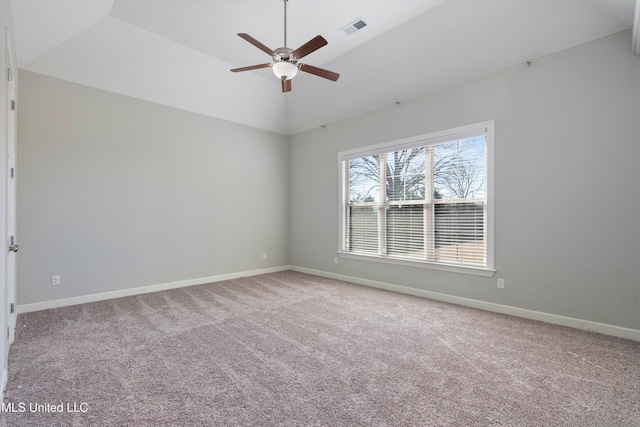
[{"x": 356, "y": 25}]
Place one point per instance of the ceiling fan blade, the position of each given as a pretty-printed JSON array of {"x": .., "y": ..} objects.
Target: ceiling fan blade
[
  {"x": 311, "y": 46},
  {"x": 257, "y": 44},
  {"x": 320, "y": 72},
  {"x": 251, "y": 67},
  {"x": 286, "y": 86}
]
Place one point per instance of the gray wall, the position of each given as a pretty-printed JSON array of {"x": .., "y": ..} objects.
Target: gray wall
[
  {"x": 567, "y": 202},
  {"x": 116, "y": 193}
]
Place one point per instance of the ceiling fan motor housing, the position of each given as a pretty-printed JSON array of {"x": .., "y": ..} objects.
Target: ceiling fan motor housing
[{"x": 285, "y": 65}]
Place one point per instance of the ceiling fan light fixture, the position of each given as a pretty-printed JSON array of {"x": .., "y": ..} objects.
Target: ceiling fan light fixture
[{"x": 285, "y": 70}]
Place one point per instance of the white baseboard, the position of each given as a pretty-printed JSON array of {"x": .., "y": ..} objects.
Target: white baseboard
[
  {"x": 44, "y": 305},
  {"x": 603, "y": 328},
  {"x": 587, "y": 325}
]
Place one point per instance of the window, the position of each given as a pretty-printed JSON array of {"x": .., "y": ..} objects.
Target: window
[{"x": 422, "y": 200}]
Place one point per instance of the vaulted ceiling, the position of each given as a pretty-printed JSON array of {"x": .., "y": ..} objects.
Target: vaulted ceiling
[{"x": 179, "y": 52}]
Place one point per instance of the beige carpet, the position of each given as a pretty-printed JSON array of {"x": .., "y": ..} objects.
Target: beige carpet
[{"x": 296, "y": 350}]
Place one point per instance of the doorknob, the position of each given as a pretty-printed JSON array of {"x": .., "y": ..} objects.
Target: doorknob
[{"x": 13, "y": 248}]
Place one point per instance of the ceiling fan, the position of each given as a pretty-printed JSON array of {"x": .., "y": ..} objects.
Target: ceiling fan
[{"x": 285, "y": 63}]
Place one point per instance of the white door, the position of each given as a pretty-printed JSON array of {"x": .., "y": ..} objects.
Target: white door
[{"x": 12, "y": 244}]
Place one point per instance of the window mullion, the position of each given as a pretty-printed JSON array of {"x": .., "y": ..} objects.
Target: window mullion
[
  {"x": 382, "y": 207},
  {"x": 346, "y": 212},
  {"x": 429, "y": 235}
]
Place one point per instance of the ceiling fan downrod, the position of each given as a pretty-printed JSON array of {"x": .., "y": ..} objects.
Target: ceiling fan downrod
[{"x": 285, "y": 22}]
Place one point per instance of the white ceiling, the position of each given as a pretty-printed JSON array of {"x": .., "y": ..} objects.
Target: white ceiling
[{"x": 179, "y": 52}]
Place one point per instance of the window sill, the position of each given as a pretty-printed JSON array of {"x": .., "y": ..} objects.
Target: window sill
[{"x": 475, "y": 271}]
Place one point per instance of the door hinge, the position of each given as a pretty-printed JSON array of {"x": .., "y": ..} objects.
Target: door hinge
[
  {"x": 13, "y": 105},
  {"x": 13, "y": 172},
  {"x": 12, "y": 308}
]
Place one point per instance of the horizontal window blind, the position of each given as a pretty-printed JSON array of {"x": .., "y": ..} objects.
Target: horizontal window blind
[
  {"x": 405, "y": 231},
  {"x": 363, "y": 229},
  {"x": 459, "y": 233}
]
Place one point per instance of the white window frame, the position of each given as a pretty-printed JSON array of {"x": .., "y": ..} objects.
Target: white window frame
[{"x": 488, "y": 128}]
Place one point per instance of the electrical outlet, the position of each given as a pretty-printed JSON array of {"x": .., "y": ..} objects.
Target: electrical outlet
[
  {"x": 264, "y": 255},
  {"x": 500, "y": 283},
  {"x": 335, "y": 259},
  {"x": 55, "y": 280}
]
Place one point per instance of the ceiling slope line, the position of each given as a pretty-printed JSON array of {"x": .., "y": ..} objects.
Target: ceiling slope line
[{"x": 56, "y": 24}]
